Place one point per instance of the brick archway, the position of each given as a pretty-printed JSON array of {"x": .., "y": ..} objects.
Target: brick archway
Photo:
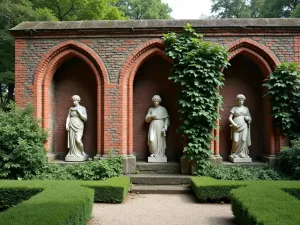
[
  {"x": 266, "y": 60},
  {"x": 46, "y": 69},
  {"x": 127, "y": 75}
]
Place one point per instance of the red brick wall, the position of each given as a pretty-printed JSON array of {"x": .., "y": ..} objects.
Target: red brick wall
[
  {"x": 151, "y": 79},
  {"x": 75, "y": 77},
  {"x": 112, "y": 50},
  {"x": 243, "y": 77}
]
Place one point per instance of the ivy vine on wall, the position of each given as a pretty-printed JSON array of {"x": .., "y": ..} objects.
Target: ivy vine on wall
[
  {"x": 197, "y": 66},
  {"x": 284, "y": 92}
]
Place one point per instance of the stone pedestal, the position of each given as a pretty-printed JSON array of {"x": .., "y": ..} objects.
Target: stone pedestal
[
  {"x": 129, "y": 164},
  {"x": 52, "y": 156},
  {"x": 157, "y": 160},
  {"x": 76, "y": 159},
  {"x": 240, "y": 160}
]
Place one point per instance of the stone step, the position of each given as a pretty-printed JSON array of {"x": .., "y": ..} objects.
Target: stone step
[
  {"x": 158, "y": 168},
  {"x": 160, "y": 179},
  {"x": 160, "y": 189}
]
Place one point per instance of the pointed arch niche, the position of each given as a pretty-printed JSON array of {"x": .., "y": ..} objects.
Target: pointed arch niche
[
  {"x": 251, "y": 63},
  {"x": 67, "y": 69},
  {"x": 144, "y": 75}
]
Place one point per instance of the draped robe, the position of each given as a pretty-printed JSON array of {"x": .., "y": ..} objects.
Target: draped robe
[
  {"x": 157, "y": 139},
  {"x": 76, "y": 127},
  {"x": 241, "y": 147}
]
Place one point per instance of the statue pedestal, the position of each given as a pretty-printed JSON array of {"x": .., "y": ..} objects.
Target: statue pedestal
[
  {"x": 76, "y": 159},
  {"x": 240, "y": 160},
  {"x": 157, "y": 160}
]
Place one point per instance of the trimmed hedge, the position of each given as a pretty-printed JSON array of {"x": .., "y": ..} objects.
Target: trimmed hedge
[
  {"x": 208, "y": 189},
  {"x": 59, "y": 202},
  {"x": 254, "y": 202}
]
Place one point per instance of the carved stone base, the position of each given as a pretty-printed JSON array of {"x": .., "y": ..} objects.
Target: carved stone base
[
  {"x": 240, "y": 160},
  {"x": 157, "y": 160},
  {"x": 76, "y": 159}
]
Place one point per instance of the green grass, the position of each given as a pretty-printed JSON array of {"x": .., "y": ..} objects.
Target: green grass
[
  {"x": 57, "y": 202},
  {"x": 254, "y": 202}
]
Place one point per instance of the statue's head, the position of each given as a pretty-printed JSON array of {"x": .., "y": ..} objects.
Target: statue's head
[
  {"x": 240, "y": 98},
  {"x": 76, "y": 99},
  {"x": 156, "y": 99}
]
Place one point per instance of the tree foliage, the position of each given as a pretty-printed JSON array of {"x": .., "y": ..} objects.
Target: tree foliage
[
  {"x": 197, "y": 69},
  {"x": 144, "y": 9},
  {"x": 65, "y": 10},
  {"x": 255, "y": 8},
  {"x": 283, "y": 90},
  {"x": 11, "y": 14},
  {"x": 231, "y": 8}
]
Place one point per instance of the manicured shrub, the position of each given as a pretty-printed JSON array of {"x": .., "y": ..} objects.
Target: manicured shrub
[
  {"x": 208, "y": 189},
  {"x": 289, "y": 159},
  {"x": 243, "y": 173},
  {"x": 254, "y": 202},
  {"x": 59, "y": 202},
  {"x": 21, "y": 143},
  {"x": 11, "y": 197}
]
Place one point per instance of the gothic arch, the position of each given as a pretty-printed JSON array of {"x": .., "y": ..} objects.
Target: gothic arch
[
  {"x": 266, "y": 61},
  {"x": 47, "y": 67},
  {"x": 127, "y": 75}
]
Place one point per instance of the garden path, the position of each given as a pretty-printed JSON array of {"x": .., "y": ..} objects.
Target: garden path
[{"x": 159, "y": 209}]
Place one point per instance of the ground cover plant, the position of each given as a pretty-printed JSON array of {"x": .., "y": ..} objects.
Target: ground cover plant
[
  {"x": 253, "y": 202},
  {"x": 221, "y": 172},
  {"x": 57, "y": 202},
  {"x": 93, "y": 170}
]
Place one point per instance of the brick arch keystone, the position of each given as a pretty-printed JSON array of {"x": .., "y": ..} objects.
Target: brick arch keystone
[
  {"x": 46, "y": 69},
  {"x": 127, "y": 75}
]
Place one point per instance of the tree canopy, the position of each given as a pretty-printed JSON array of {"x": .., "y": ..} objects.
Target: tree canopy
[
  {"x": 11, "y": 14},
  {"x": 144, "y": 9},
  {"x": 65, "y": 10},
  {"x": 256, "y": 8}
]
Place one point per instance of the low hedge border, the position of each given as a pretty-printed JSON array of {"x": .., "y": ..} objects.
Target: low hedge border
[
  {"x": 254, "y": 202},
  {"x": 58, "y": 202}
]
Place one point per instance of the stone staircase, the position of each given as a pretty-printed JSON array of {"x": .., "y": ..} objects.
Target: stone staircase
[{"x": 159, "y": 178}]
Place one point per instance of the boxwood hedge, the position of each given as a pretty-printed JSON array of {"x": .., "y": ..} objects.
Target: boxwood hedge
[
  {"x": 254, "y": 202},
  {"x": 38, "y": 202}
]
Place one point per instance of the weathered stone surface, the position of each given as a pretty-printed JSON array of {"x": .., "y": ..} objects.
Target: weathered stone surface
[
  {"x": 240, "y": 160},
  {"x": 135, "y": 24},
  {"x": 159, "y": 179},
  {"x": 160, "y": 189},
  {"x": 158, "y": 168}
]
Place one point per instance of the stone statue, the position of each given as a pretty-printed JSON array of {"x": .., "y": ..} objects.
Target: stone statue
[
  {"x": 240, "y": 120},
  {"x": 158, "y": 118},
  {"x": 75, "y": 125}
]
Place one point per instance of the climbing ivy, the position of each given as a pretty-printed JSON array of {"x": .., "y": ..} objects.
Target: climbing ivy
[
  {"x": 283, "y": 89},
  {"x": 197, "y": 66}
]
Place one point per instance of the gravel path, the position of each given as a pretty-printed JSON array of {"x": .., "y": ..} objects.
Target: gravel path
[{"x": 145, "y": 209}]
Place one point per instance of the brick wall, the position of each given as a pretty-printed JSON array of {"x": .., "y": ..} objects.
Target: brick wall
[{"x": 114, "y": 50}]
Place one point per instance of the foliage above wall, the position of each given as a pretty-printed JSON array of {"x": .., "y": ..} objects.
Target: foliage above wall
[
  {"x": 197, "y": 69},
  {"x": 283, "y": 89}
]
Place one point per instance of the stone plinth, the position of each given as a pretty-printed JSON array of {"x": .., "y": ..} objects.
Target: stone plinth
[
  {"x": 240, "y": 160},
  {"x": 157, "y": 160},
  {"x": 76, "y": 159}
]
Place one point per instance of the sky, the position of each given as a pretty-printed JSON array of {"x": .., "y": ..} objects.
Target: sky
[{"x": 189, "y": 9}]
